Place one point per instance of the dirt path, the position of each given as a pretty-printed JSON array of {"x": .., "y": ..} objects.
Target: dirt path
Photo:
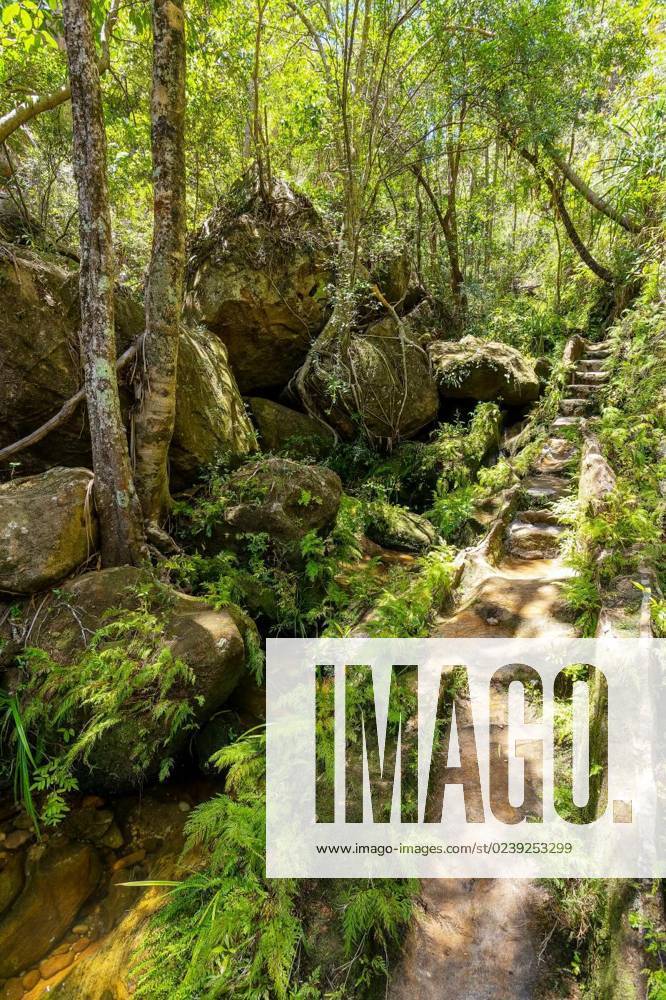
[{"x": 480, "y": 939}]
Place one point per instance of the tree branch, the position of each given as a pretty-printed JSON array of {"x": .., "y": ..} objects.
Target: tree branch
[
  {"x": 594, "y": 199},
  {"x": 36, "y": 105},
  {"x": 65, "y": 412}
]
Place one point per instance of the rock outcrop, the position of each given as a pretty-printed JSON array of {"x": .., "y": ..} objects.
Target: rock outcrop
[
  {"x": 279, "y": 497},
  {"x": 259, "y": 277},
  {"x": 279, "y": 427},
  {"x": 208, "y": 641},
  {"x": 40, "y": 369},
  {"x": 382, "y": 386},
  {"x": 483, "y": 370},
  {"x": 48, "y": 527}
]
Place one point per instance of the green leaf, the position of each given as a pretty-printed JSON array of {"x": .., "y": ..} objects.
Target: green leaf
[{"x": 10, "y": 13}]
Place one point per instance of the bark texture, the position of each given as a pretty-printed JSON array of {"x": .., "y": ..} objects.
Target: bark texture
[
  {"x": 115, "y": 497},
  {"x": 156, "y": 414}
]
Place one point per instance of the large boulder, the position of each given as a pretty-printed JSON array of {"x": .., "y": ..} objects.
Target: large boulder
[
  {"x": 382, "y": 386},
  {"x": 483, "y": 370},
  {"x": 281, "y": 498},
  {"x": 259, "y": 277},
  {"x": 208, "y": 642},
  {"x": 279, "y": 427},
  {"x": 48, "y": 527},
  {"x": 40, "y": 369},
  {"x": 211, "y": 419}
]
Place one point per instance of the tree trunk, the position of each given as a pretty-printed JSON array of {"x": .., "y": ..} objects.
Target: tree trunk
[
  {"x": 451, "y": 241},
  {"x": 594, "y": 199},
  {"x": 154, "y": 421},
  {"x": 117, "y": 505},
  {"x": 580, "y": 248}
]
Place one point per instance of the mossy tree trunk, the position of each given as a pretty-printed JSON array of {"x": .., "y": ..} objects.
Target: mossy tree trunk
[
  {"x": 156, "y": 413},
  {"x": 115, "y": 496}
]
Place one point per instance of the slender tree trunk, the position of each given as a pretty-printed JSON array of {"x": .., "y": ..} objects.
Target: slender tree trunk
[
  {"x": 155, "y": 419},
  {"x": 580, "y": 248},
  {"x": 558, "y": 202},
  {"x": 115, "y": 497},
  {"x": 594, "y": 199},
  {"x": 451, "y": 241}
]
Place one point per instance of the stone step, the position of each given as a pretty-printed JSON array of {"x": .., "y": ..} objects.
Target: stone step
[
  {"x": 533, "y": 541},
  {"x": 567, "y": 422},
  {"x": 538, "y": 515},
  {"x": 547, "y": 486},
  {"x": 575, "y": 407},
  {"x": 592, "y": 364},
  {"x": 591, "y": 378},
  {"x": 597, "y": 353},
  {"x": 556, "y": 455},
  {"x": 579, "y": 389}
]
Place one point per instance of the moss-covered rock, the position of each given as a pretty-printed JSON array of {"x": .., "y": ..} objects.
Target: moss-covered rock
[
  {"x": 281, "y": 498},
  {"x": 382, "y": 385},
  {"x": 180, "y": 629},
  {"x": 484, "y": 370},
  {"x": 39, "y": 323},
  {"x": 48, "y": 527},
  {"x": 211, "y": 420},
  {"x": 259, "y": 278},
  {"x": 399, "y": 528},
  {"x": 281, "y": 427}
]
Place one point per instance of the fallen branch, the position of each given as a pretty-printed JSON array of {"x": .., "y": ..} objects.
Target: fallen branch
[{"x": 65, "y": 412}]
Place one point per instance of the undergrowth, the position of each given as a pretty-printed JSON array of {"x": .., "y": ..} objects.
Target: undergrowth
[{"x": 226, "y": 930}]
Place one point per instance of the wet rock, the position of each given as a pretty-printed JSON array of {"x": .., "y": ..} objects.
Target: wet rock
[
  {"x": 259, "y": 278},
  {"x": 57, "y": 884},
  {"x": 13, "y": 990},
  {"x": 283, "y": 498},
  {"x": 11, "y": 881},
  {"x": 48, "y": 527},
  {"x": 16, "y": 839},
  {"x": 280, "y": 427},
  {"x": 113, "y": 838},
  {"x": 382, "y": 386},
  {"x": 128, "y": 861},
  {"x": 55, "y": 963},
  {"x": 31, "y": 979},
  {"x": 39, "y": 323},
  {"x": 399, "y": 528},
  {"x": 484, "y": 370},
  {"x": 88, "y": 824},
  {"x": 208, "y": 641}
]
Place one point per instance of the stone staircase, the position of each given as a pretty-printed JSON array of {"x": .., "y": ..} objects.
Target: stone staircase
[{"x": 481, "y": 939}]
